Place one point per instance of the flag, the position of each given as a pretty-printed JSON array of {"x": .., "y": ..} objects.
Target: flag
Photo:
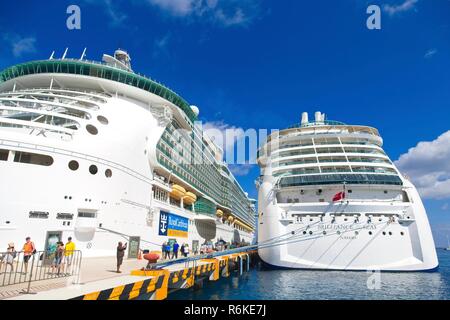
[{"x": 339, "y": 196}]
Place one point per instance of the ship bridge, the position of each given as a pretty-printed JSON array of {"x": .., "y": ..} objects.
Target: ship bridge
[{"x": 325, "y": 152}]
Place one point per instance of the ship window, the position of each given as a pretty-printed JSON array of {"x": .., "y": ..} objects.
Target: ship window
[
  {"x": 73, "y": 165},
  {"x": 4, "y": 155},
  {"x": 64, "y": 216},
  {"x": 402, "y": 233},
  {"x": 390, "y": 233},
  {"x": 38, "y": 215},
  {"x": 108, "y": 173},
  {"x": 370, "y": 233},
  {"x": 384, "y": 233},
  {"x": 304, "y": 232},
  {"x": 102, "y": 120},
  {"x": 93, "y": 169},
  {"x": 91, "y": 129},
  {"x": 33, "y": 158},
  {"x": 310, "y": 232},
  {"x": 83, "y": 214}
]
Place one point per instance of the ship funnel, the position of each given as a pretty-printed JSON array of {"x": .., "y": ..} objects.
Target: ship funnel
[
  {"x": 304, "y": 118},
  {"x": 318, "y": 116}
]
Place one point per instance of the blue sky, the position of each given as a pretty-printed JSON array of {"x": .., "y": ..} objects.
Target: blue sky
[{"x": 259, "y": 64}]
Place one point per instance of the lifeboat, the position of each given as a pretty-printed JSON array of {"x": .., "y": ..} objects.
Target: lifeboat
[
  {"x": 189, "y": 198},
  {"x": 177, "y": 192},
  {"x": 230, "y": 218},
  {"x": 219, "y": 213}
]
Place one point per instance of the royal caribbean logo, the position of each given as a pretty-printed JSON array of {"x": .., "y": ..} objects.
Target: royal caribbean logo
[{"x": 173, "y": 225}]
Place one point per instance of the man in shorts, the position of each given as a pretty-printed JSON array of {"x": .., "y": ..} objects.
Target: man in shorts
[
  {"x": 28, "y": 251},
  {"x": 69, "y": 251}
]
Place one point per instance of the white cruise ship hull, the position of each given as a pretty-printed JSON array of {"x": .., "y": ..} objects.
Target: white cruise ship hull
[
  {"x": 386, "y": 243},
  {"x": 79, "y": 158}
]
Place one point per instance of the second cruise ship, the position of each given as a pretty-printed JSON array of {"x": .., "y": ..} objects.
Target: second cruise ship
[{"x": 330, "y": 198}]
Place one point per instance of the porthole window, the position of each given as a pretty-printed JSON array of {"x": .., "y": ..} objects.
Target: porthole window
[
  {"x": 73, "y": 165},
  {"x": 91, "y": 129},
  {"x": 356, "y": 233},
  {"x": 402, "y": 233},
  {"x": 384, "y": 233},
  {"x": 370, "y": 233},
  {"x": 390, "y": 233},
  {"x": 108, "y": 173},
  {"x": 310, "y": 232},
  {"x": 304, "y": 232},
  {"x": 324, "y": 233},
  {"x": 293, "y": 232},
  {"x": 102, "y": 120},
  {"x": 93, "y": 169},
  {"x": 338, "y": 232}
]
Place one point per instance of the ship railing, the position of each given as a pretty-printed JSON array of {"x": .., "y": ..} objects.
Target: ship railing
[{"x": 17, "y": 267}]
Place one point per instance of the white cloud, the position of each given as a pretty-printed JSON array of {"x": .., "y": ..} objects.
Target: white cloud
[
  {"x": 428, "y": 166},
  {"x": 222, "y": 12},
  {"x": 240, "y": 169},
  {"x": 176, "y": 7},
  {"x": 160, "y": 45},
  {"x": 224, "y": 135},
  {"x": 430, "y": 53},
  {"x": 116, "y": 16},
  {"x": 20, "y": 45},
  {"x": 403, "y": 7}
]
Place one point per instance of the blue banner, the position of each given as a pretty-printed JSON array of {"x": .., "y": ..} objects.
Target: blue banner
[{"x": 173, "y": 225}]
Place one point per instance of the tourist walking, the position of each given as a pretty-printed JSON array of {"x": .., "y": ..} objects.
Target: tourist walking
[
  {"x": 176, "y": 246},
  {"x": 167, "y": 251},
  {"x": 120, "y": 254},
  {"x": 8, "y": 257},
  {"x": 59, "y": 253},
  {"x": 28, "y": 250},
  {"x": 69, "y": 251}
]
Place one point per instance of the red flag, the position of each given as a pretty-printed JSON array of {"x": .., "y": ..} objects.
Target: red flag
[{"x": 339, "y": 196}]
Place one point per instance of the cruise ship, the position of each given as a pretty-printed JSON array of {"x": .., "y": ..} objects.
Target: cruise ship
[
  {"x": 330, "y": 198},
  {"x": 94, "y": 151}
]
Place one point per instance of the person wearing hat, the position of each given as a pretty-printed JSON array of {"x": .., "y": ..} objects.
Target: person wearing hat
[{"x": 9, "y": 257}]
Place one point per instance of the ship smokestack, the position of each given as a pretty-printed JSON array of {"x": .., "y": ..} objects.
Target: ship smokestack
[
  {"x": 318, "y": 116},
  {"x": 304, "y": 118}
]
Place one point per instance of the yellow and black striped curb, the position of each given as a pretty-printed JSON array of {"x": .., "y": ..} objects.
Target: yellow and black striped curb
[{"x": 156, "y": 286}]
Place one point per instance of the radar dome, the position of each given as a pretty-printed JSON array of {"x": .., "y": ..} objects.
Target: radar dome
[{"x": 195, "y": 109}]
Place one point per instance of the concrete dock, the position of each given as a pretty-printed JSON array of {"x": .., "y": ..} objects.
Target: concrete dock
[{"x": 99, "y": 281}]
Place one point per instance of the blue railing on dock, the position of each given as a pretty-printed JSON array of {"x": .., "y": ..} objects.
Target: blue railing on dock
[{"x": 163, "y": 264}]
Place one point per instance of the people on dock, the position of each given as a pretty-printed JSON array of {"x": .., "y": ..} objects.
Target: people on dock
[
  {"x": 184, "y": 249},
  {"x": 175, "y": 248},
  {"x": 59, "y": 253},
  {"x": 8, "y": 257},
  {"x": 120, "y": 254},
  {"x": 28, "y": 250},
  {"x": 167, "y": 248},
  {"x": 69, "y": 251}
]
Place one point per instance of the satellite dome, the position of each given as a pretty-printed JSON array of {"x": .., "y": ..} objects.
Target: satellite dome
[{"x": 195, "y": 109}]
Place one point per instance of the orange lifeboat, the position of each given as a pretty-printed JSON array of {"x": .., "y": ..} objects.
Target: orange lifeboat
[
  {"x": 177, "y": 192},
  {"x": 189, "y": 198}
]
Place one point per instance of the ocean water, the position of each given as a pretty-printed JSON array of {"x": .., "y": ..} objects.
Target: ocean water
[{"x": 271, "y": 284}]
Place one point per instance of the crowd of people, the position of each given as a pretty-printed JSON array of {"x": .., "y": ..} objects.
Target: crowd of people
[
  {"x": 170, "y": 250},
  {"x": 62, "y": 256}
]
